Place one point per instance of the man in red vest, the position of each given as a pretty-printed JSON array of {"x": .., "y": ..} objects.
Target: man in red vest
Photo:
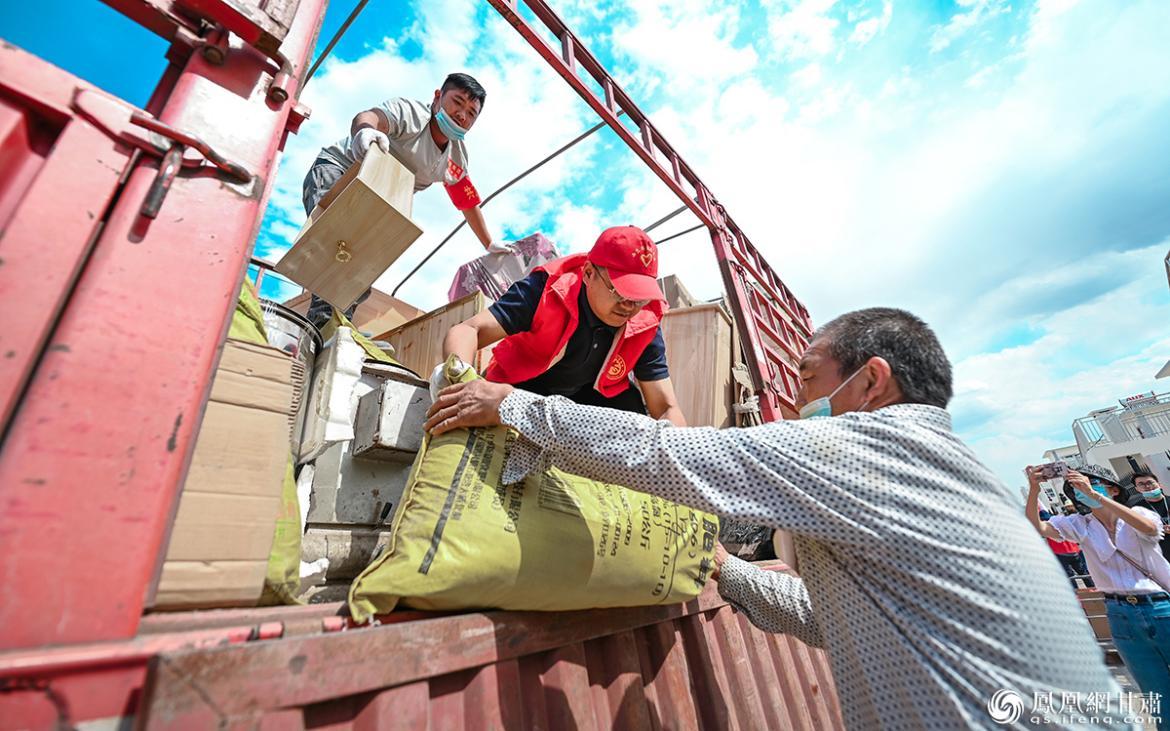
[{"x": 584, "y": 326}]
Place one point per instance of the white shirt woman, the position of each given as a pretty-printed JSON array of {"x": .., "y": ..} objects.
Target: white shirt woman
[
  {"x": 1123, "y": 556},
  {"x": 1111, "y": 572}
]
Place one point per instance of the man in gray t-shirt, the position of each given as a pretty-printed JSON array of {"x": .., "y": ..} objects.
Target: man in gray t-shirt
[{"x": 426, "y": 138}]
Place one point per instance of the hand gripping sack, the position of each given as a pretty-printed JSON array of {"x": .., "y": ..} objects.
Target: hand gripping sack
[{"x": 461, "y": 540}]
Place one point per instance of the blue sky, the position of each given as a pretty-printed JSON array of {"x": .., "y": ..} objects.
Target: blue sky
[{"x": 999, "y": 168}]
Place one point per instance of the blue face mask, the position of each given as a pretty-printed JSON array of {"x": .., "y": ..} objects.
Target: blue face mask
[
  {"x": 1153, "y": 495},
  {"x": 823, "y": 406},
  {"x": 447, "y": 125},
  {"x": 1088, "y": 501},
  {"x": 1093, "y": 500}
]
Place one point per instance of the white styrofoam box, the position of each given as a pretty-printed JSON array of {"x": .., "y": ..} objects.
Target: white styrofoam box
[
  {"x": 354, "y": 491},
  {"x": 389, "y": 421},
  {"x": 304, "y": 491},
  {"x": 336, "y": 372},
  {"x": 313, "y": 572},
  {"x": 345, "y": 551}
]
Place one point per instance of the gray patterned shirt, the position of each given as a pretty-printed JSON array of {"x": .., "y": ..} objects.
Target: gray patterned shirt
[{"x": 922, "y": 578}]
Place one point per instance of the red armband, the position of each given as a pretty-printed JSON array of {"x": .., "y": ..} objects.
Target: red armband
[{"x": 463, "y": 194}]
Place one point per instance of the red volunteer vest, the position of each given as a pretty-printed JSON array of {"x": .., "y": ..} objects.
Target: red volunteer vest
[{"x": 520, "y": 357}]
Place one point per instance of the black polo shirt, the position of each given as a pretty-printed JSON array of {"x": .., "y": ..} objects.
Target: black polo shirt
[{"x": 573, "y": 375}]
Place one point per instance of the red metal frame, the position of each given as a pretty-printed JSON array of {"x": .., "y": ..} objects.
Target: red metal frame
[
  {"x": 107, "y": 406},
  {"x": 774, "y": 324},
  {"x": 693, "y": 665}
]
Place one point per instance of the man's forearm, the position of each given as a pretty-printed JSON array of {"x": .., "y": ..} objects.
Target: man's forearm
[
  {"x": 462, "y": 341},
  {"x": 674, "y": 415},
  {"x": 701, "y": 467},
  {"x": 478, "y": 225},
  {"x": 778, "y": 474},
  {"x": 773, "y": 601},
  {"x": 582, "y": 446}
]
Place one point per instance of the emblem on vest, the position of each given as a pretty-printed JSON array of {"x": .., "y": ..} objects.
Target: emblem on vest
[{"x": 617, "y": 368}]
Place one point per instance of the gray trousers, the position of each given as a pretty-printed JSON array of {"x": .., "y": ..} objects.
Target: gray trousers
[{"x": 320, "y": 178}]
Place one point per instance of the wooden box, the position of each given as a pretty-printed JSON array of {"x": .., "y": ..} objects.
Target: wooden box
[
  {"x": 356, "y": 232},
  {"x": 418, "y": 344},
  {"x": 379, "y": 313},
  {"x": 677, "y": 296},
  {"x": 699, "y": 351}
]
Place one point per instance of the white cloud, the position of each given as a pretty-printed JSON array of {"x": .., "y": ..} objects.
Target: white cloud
[
  {"x": 808, "y": 76},
  {"x": 687, "y": 41},
  {"x": 930, "y": 196},
  {"x": 576, "y": 227},
  {"x": 1020, "y": 401},
  {"x": 868, "y": 29},
  {"x": 975, "y": 13},
  {"x": 802, "y": 29}
]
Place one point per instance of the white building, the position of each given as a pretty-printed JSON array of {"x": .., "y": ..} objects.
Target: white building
[
  {"x": 1134, "y": 434},
  {"x": 1131, "y": 435}
]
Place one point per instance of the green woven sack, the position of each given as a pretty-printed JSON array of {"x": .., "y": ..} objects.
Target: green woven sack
[{"x": 462, "y": 540}]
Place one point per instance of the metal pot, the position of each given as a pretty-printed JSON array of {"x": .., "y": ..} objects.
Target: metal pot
[{"x": 295, "y": 335}]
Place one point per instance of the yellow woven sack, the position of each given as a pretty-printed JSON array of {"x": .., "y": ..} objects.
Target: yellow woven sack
[
  {"x": 461, "y": 540},
  {"x": 283, "y": 577}
]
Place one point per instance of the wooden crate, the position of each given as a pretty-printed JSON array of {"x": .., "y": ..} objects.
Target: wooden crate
[
  {"x": 677, "y": 296},
  {"x": 699, "y": 349},
  {"x": 1094, "y": 605},
  {"x": 356, "y": 232},
  {"x": 379, "y": 313},
  {"x": 418, "y": 344}
]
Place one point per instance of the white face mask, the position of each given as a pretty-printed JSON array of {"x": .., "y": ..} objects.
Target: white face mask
[{"x": 824, "y": 405}]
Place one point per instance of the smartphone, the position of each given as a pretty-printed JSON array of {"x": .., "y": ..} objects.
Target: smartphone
[{"x": 1052, "y": 470}]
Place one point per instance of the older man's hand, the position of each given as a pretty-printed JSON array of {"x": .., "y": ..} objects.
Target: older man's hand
[
  {"x": 476, "y": 403},
  {"x": 720, "y": 557}
]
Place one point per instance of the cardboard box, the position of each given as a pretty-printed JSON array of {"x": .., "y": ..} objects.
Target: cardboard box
[
  {"x": 219, "y": 544},
  {"x": 356, "y": 231}
]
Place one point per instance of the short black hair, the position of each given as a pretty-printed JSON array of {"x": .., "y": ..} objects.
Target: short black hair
[
  {"x": 466, "y": 83},
  {"x": 1141, "y": 472},
  {"x": 919, "y": 365}
]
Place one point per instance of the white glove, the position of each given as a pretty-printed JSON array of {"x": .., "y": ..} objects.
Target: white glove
[
  {"x": 494, "y": 248},
  {"x": 359, "y": 144},
  {"x": 439, "y": 380}
]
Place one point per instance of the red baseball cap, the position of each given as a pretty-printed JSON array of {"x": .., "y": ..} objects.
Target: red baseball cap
[{"x": 631, "y": 260}]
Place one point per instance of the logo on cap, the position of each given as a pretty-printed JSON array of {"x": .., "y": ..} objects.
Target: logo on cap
[
  {"x": 645, "y": 252},
  {"x": 617, "y": 368}
]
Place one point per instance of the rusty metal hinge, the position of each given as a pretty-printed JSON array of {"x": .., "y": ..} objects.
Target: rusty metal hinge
[{"x": 133, "y": 126}]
